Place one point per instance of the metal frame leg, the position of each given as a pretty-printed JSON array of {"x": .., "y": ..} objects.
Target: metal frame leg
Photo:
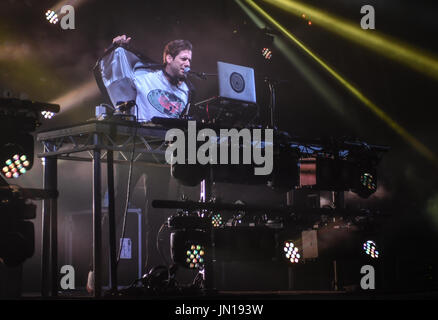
[
  {"x": 208, "y": 272},
  {"x": 53, "y": 185},
  {"x": 111, "y": 221},
  {"x": 97, "y": 221},
  {"x": 49, "y": 241}
]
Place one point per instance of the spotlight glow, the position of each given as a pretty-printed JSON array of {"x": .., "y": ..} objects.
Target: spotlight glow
[
  {"x": 51, "y": 16},
  {"x": 86, "y": 91},
  {"x": 47, "y": 114},
  {"x": 367, "y": 180},
  {"x": 291, "y": 252},
  {"x": 370, "y": 249},
  {"x": 267, "y": 53},
  {"x": 14, "y": 169},
  {"x": 216, "y": 220}
]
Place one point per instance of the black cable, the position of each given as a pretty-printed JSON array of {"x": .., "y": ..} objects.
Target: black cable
[
  {"x": 128, "y": 191},
  {"x": 146, "y": 222}
]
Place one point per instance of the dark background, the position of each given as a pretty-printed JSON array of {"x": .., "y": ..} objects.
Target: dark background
[{"x": 42, "y": 62}]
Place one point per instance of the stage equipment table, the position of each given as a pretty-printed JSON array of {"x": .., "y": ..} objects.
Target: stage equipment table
[{"x": 94, "y": 141}]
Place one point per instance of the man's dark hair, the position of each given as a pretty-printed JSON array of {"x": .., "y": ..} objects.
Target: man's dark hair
[{"x": 175, "y": 47}]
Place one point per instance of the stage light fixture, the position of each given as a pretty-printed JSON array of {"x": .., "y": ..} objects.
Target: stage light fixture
[
  {"x": 267, "y": 53},
  {"x": 370, "y": 249},
  {"x": 358, "y": 174},
  {"x": 189, "y": 240},
  {"x": 17, "y": 157},
  {"x": 262, "y": 42},
  {"x": 47, "y": 114},
  {"x": 291, "y": 252},
  {"x": 51, "y": 16},
  {"x": 189, "y": 248},
  {"x": 366, "y": 178},
  {"x": 195, "y": 256},
  {"x": 216, "y": 220},
  {"x": 368, "y": 183}
]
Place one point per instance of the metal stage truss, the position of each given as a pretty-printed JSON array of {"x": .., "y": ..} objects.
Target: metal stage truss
[
  {"x": 94, "y": 141},
  {"x": 107, "y": 136}
]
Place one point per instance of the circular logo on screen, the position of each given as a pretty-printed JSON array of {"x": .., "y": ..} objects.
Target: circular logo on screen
[
  {"x": 237, "y": 82},
  {"x": 166, "y": 102}
]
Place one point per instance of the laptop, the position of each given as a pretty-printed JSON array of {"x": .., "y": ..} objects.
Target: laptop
[{"x": 236, "y": 82}]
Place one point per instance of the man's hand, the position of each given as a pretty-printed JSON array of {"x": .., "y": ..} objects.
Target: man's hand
[{"x": 121, "y": 40}]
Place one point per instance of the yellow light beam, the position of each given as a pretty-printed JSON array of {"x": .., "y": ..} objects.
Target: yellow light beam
[
  {"x": 15, "y": 51},
  {"x": 314, "y": 79},
  {"x": 78, "y": 95},
  {"x": 387, "y": 46},
  {"x": 356, "y": 92}
]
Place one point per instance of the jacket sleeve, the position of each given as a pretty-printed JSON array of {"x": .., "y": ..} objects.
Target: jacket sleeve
[{"x": 117, "y": 74}]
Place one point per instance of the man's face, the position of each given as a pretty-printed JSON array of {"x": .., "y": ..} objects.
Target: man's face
[{"x": 175, "y": 66}]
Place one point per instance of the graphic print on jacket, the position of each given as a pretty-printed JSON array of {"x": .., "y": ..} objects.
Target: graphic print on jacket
[{"x": 166, "y": 102}]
